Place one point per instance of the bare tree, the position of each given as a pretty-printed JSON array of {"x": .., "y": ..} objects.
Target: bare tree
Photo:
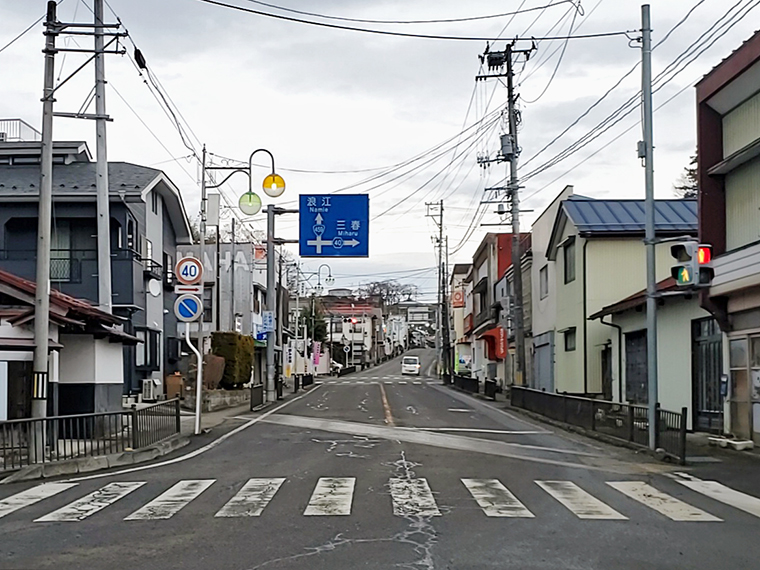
[
  {"x": 687, "y": 186},
  {"x": 390, "y": 291}
]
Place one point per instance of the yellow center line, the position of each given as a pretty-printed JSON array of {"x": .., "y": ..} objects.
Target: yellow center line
[{"x": 386, "y": 407}]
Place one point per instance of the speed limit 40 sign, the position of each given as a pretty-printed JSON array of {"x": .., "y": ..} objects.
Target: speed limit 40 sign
[{"x": 189, "y": 271}]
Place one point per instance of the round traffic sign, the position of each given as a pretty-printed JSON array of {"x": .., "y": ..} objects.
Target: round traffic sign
[
  {"x": 188, "y": 308},
  {"x": 346, "y": 349},
  {"x": 189, "y": 271}
]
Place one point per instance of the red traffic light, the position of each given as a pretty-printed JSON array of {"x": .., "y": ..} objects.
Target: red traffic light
[
  {"x": 354, "y": 321},
  {"x": 704, "y": 254}
]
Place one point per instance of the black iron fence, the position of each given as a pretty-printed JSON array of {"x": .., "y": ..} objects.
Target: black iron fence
[
  {"x": 466, "y": 383},
  {"x": 626, "y": 422},
  {"x": 45, "y": 440}
]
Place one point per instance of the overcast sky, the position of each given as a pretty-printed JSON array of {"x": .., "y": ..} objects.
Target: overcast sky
[{"x": 380, "y": 113}]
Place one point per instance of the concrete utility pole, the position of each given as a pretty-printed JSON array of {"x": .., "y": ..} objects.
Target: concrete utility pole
[
  {"x": 101, "y": 167},
  {"x": 271, "y": 305},
  {"x": 516, "y": 245},
  {"x": 649, "y": 206},
  {"x": 42, "y": 293},
  {"x": 232, "y": 282},
  {"x": 432, "y": 213},
  {"x": 510, "y": 152},
  {"x": 199, "y": 374}
]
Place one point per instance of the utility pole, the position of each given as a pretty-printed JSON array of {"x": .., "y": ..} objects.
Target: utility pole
[
  {"x": 516, "y": 249},
  {"x": 232, "y": 282},
  {"x": 435, "y": 210},
  {"x": 42, "y": 293},
  {"x": 448, "y": 368},
  {"x": 101, "y": 167},
  {"x": 199, "y": 374},
  {"x": 502, "y": 62},
  {"x": 649, "y": 210}
]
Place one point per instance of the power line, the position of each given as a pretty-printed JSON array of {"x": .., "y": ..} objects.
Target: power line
[
  {"x": 22, "y": 34},
  {"x": 440, "y": 21},
  {"x": 402, "y": 34}
]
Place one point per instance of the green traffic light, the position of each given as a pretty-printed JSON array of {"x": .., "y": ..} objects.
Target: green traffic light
[{"x": 684, "y": 277}]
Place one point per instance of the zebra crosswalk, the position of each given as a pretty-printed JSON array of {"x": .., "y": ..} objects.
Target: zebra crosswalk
[
  {"x": 388, "y": 380},
  {"x": 409, "y": 497}
]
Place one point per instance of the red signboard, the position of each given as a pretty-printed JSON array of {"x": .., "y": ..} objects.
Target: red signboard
[
  {"x": 457, "y": 299},
  {"x": 468, "y": 324}
]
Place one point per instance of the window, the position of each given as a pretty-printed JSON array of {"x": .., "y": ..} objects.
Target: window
[
  {"x": 543, "y": 282},
  {"x": 168, "y": 268},
  {"x": 569, "y": 252},
  {"x": 208, "y": 304},
  {"x": 131, "y": 235},
  {"x": 570, "y": 339},
  {"x": 148, "y": 352},
  {"x": 155, "y": 201}
]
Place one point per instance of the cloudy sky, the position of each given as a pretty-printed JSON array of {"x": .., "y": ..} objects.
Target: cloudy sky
[{"x": 401, "y": 118}]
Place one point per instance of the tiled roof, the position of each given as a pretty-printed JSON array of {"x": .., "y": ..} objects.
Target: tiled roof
[
  {"x": 75, "y": 178},
  {"x": 623, "y": 216}
]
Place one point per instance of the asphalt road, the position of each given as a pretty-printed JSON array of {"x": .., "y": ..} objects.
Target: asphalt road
[{"x": 381, "y": 471}]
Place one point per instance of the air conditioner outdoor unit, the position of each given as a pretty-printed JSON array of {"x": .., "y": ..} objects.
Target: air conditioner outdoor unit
[{"x": 149, "y": 390}]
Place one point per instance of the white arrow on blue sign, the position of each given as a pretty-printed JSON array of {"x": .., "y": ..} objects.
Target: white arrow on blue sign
[{"x": 188, "y": 308}]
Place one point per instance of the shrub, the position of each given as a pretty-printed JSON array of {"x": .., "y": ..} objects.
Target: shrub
[{"x": 237, "y": 351}]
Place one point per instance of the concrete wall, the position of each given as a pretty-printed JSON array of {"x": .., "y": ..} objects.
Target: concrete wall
[
  {"x": 674, "y": 350},
  {"x": 544, "y": 311}
]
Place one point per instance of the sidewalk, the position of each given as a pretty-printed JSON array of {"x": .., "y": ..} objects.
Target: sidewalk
[{"x": 209, "y": 420}]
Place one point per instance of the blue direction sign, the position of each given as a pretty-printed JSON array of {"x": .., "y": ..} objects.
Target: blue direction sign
[
  {"x": 188, "y": 308},
  {"x": 332, "y": 225}
]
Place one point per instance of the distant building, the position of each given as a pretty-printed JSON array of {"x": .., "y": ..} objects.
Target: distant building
[{"x": 148, "y": 221}]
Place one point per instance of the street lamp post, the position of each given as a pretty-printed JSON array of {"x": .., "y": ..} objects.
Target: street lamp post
[{"x": 250, "y": 204}]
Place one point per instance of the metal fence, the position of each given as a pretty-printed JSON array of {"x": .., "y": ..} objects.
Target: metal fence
[
  {"x": 45, "y": 440},
  {"x": 626, "y": 422}
]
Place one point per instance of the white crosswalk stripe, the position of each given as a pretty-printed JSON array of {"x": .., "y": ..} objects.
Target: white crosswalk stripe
[
  {"x": 169, "y": 503},
  {"x": 332, "y": 496},
  {"x": 92, "y": 503},
  {"x": 581, "y": 503},
  {"x": 663, "y": 503},
  {"x": 31, "y": 496},
  {"x": 413, "y": 497},
  {"x": 251, "y": 500},
  {"x": 726, "y": 495},
  {"x": 495, "y": 499}
]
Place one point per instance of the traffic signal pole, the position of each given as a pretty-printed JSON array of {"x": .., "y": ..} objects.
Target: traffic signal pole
[{"x": 649, "y": 240}]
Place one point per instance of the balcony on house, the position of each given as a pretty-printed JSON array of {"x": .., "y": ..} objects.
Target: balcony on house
[{"x": 75, "y": 271}]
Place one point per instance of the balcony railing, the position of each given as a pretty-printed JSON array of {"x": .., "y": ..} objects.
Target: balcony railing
[{"x": 74, "y": 271}]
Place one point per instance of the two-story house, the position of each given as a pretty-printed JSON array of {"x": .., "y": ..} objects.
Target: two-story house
[
  {"x": 728, "y": 173},
  {"x": 147, "y": 220},
  {"x": 488, "y": 339},
  {"x": 504, "y": 296},
  {"x": 461, "y": 343},
  {"x": 599, "y": 255},
  {"x": 544, "y": 296}
]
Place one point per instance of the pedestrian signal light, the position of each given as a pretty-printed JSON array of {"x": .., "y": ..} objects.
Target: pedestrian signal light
[{"x": 694, "y": 264}]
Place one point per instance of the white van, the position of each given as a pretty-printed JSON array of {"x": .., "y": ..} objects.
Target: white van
[{"x": 410, "y": 365}]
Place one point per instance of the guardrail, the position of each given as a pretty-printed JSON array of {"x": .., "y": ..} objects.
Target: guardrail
[
  {"x": 59, "y": 438},
  {"x": 346, "y": 370},
  {"x": 626, "y": 422}
]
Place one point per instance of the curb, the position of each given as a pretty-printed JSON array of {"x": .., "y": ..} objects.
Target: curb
[{"x": 97, "y": 463}]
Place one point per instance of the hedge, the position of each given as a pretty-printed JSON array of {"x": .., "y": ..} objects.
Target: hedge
[{"x": 237, "y": 351}]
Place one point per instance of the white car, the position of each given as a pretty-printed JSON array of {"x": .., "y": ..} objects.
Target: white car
[{"x": 410, "y": 365}]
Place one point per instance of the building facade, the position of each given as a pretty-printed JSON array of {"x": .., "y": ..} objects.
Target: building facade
[
  {"x": 147, "y": 221},
  {"x": 728, "y": 173}
]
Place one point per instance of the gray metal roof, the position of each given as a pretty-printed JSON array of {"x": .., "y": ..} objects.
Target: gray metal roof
[
  {"x": 76, "y": 178},
  {"x": 623, "y": 216}
]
